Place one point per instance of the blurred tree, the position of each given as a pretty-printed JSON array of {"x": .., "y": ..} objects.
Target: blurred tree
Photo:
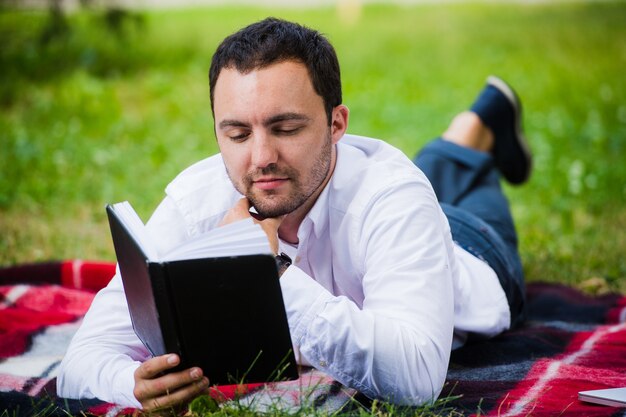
[
  {"x": 114, "y": 17},
  {"x": 57, "y": 25},
  {"x": 96, "y": 37}
]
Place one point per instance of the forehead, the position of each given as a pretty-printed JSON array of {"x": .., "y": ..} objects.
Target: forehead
[{"x": 284, "y": 86}]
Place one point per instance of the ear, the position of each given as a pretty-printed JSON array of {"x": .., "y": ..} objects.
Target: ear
[{"x": 339, "y": 123}]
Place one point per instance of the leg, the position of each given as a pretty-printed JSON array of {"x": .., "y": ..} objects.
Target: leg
[
  {"x": 464, "y": 167},
  {"x": 467, "y": 178}
]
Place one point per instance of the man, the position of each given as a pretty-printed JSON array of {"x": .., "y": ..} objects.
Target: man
[{"x": 383, "y": 284}]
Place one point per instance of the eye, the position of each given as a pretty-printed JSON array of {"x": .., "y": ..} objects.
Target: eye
[
  {"x": 238, "y": 135},
  {"x": 287, "y": 130}
]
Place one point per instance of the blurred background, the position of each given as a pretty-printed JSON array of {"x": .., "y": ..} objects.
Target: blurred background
[{"x": 104, "y": 101}]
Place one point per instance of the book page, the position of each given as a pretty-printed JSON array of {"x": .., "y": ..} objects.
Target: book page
[
  {"x": 243, "y": 237},
  {"x": 240, "y": 238},
  {"x": 133, "y": 224}
]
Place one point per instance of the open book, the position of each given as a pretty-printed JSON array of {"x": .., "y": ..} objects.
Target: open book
[{"x": 215, "y": 300}]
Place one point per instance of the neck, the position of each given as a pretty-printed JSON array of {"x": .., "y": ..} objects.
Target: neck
[{"x": 288, "y": 230}]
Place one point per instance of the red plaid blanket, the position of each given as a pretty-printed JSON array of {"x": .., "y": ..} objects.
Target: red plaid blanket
[
  {"x": 40, "y": 310},
  {"x": 571, "y": 342}
]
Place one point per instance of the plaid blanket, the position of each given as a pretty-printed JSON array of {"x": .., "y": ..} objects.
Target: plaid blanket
[
  {"x": 40, "y": 310},
  {"x": 571, "y": 342}
]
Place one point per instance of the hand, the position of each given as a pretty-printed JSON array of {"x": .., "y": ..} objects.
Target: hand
[
  {"x": 156, "y": 391},
  {"x": 241, "y": 210}
]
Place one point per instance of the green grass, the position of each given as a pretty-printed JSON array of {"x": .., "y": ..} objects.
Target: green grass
[
  {"x": 93, "y": 117},
  {"x": 205, "y": 406}
]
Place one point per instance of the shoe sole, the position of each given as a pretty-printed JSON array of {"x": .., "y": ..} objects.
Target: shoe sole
[{"x": 510, "y": 94}]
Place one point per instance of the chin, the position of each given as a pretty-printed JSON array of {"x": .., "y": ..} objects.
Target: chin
[
  {"x": 267, "y": 209},
  {"x": 273, "y": 205},
  {"x": 269, "y": 212}
]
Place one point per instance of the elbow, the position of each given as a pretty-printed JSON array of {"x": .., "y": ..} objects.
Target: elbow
[
  {"x": 421, "y": 382},
  {"x": 416, "y": 374},
  {"x": 68, "y": 381},
  {"x": 425, "y": 389}
]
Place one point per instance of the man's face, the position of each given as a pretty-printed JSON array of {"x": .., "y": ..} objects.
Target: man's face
[{"x": 273, "y": 133}]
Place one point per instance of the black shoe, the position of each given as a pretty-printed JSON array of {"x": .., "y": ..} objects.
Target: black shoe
[{"x": 500, "y": 109}]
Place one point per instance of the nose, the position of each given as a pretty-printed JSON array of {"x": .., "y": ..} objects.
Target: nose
[{"x": 264, "y": 151}]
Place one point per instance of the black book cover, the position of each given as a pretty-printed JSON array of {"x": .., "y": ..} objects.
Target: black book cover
[{"x": 225, "y": 315}]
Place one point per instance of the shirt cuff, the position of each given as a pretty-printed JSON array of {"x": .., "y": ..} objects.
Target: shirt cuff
[
  {"x": 304, "y": 299},
  {"x": 125, "y": 387}
]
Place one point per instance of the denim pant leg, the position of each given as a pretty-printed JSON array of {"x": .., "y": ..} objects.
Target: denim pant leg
[{"x": 468, "y": 188}]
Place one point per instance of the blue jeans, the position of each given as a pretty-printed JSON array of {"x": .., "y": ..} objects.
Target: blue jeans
[{"x": 467, "y": 185}]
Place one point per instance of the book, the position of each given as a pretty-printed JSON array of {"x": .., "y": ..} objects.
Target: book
[
  {"x": 214, "y": 300},
  {"x": 615, "y": 397}
]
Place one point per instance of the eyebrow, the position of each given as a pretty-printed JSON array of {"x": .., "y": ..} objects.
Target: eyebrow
[
  {"x": 282, "y": 117},
  {"x": 231, "y": 123}
]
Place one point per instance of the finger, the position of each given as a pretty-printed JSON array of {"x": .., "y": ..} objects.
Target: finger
[
  {"x": 243, "y": 204},
  {"x": 274, "y": 222},
  {"x": 154, "y": 366},
  {"x": 241, "y": 207},
  {"x": 147, "y": 389},
  {"x": 173, "y": 398},
  {"x": 239, "y": 211},
  {"x": 272, "y": 235},
  {"x": 270, "y": 227}
]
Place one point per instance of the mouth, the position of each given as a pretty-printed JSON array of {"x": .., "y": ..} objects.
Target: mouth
[{"x": 269, "y": 183}]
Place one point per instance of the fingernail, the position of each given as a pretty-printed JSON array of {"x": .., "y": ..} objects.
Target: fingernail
[
  {"x": 172, "y": 359},
  {"x": 195, "y": 373}
]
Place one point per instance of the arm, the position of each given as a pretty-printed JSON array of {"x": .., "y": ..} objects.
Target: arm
[
  {"x": 104, "y": 353},
  {"x": 106, "y": 359},
  {"x": 394, "y": 344}
]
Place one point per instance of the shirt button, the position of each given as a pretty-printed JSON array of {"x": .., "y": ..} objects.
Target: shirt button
[
  {"x": 323, "y": 364},
  {"x": 298, "y": 259}
]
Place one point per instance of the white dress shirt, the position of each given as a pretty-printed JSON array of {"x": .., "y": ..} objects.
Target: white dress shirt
[{"x": 375, "y": 297}]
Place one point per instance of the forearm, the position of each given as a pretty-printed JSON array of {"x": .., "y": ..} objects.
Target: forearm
[
  {"x": 398, "y": 359},
  {"x": 104, "y": 353},
  {"x": 108, "y": 376}
]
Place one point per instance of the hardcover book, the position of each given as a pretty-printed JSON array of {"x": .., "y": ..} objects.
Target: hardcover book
[{"x": 215, "y": 300}]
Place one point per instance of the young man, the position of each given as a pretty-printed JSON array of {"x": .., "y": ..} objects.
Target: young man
[{"x": 388, "y": 274}]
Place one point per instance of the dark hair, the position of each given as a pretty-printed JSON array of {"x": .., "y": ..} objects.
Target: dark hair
[{"x": 274, "y": 40}]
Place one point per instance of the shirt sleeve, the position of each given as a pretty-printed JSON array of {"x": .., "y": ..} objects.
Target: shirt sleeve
[
  {"x": 396, "y": 345},
  {"x": 105, "y": 351}
]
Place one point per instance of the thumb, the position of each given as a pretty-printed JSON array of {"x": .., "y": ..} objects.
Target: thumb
[{"x": 270, "y": 227}]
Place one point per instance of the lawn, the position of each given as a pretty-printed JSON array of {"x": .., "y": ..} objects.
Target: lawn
[{"x": 97, "y": 115}]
